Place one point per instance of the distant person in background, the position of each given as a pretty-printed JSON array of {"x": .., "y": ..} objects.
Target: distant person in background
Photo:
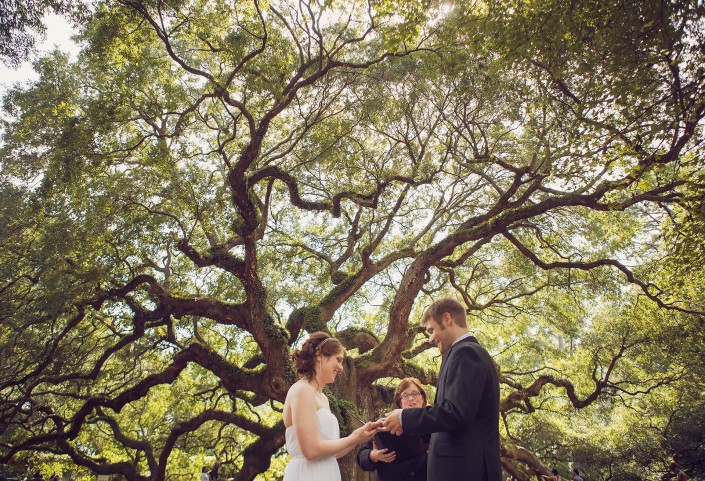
[
  {"x": 396, "y": 466},
  {"x": 680, "y": 475},
  {"x": 37, "y": 476},
  {"x": 204, "y": 474},
  {"x": 577, "y": 476},
  {"x": 214, "y": 472},
  {"x": 554, "y": 476}
]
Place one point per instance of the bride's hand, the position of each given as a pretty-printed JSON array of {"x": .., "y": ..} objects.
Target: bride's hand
[{"x": 365, "y": 433}]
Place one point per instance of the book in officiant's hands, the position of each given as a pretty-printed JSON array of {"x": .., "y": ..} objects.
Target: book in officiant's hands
[{"x": 406, "y": 446}]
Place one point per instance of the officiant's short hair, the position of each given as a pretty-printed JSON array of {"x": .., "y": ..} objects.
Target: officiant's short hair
[{"x": 405, "y": 384}]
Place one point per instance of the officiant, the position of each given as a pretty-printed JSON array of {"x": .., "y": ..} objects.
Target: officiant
[{"x": 400, "y": 458}]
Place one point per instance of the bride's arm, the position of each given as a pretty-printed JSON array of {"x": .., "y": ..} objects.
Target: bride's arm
[
  {"x": 303, "y": 415},
  {"x": 345, "y": 451}
]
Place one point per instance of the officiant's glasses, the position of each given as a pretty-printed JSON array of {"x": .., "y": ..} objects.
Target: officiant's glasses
[{"x": 410, "y": 395}]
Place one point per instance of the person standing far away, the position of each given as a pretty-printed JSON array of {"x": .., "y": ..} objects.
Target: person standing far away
[
  {"x": 464, "y": 419},
  {"x": 213, "y": 475},
  {"x": 204, "y": 474},
  {"x": 554, "y": 476},
  {"x": 680, "y": 475},
  {"x": 312, "y": 432},
  {"x": 577, "y": 476}
]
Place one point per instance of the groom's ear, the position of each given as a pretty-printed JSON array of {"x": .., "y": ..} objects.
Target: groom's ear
[{"x": 447, "y": 319}]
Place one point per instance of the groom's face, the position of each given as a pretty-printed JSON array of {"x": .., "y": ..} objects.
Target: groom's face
[{"x": 438, "y": 335}]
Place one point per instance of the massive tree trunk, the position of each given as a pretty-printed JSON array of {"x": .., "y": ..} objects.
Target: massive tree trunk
[{"x": 211, "y": 181}]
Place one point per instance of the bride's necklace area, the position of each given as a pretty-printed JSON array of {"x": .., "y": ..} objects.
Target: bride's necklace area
[{"x": 316, "y": 387}]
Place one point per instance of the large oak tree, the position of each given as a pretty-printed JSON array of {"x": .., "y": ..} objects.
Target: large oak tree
[{"x": 212, "y": 180}]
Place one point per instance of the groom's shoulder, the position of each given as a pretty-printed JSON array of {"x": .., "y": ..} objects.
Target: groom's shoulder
[{"x": 470, "y": 347}]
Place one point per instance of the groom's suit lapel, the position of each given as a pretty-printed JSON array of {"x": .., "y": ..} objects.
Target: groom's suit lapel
[{"x": 444, "y": 367}]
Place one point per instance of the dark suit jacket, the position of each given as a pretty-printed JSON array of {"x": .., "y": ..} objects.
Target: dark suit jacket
[{"x": 464, "y": 420}]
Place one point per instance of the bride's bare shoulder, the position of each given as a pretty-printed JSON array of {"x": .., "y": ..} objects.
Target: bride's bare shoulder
[{"x": 300, "y": 388}]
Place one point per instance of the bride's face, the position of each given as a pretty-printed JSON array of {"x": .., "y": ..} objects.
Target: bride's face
[{"x": 329, "y": 366}]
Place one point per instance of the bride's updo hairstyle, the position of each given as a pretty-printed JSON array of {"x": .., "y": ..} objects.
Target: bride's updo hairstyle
[{"x": 317, "y": 343}]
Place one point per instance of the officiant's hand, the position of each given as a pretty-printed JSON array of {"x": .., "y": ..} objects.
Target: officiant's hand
[
  {"x": 382, "y": 455},
  {"x": 392, "y": 422}
]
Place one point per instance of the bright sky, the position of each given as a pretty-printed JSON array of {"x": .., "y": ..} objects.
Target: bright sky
[{"x": 58, "y": 35}]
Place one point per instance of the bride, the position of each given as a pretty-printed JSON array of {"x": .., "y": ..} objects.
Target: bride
[{"x": 312, "y": 432}]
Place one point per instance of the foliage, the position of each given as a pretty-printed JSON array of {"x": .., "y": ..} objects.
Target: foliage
[
  {"x": 22, "y": 20},
  {"x": 211, "y": 180}
]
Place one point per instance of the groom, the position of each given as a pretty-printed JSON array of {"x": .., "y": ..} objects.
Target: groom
[{"x": 464, "y": 421}]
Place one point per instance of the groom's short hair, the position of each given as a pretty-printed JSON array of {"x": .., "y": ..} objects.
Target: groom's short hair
[{"x": 446, "y": 304}]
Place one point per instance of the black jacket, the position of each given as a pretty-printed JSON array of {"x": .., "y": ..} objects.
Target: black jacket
[
  {"x": 412, "y": 469},
  {"x": 464, "y": 420}
]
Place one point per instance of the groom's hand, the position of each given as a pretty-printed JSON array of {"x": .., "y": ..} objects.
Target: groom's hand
[{"x": 392, "y": 422}]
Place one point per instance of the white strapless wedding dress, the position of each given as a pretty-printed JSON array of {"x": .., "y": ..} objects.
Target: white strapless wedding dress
[{"x": 301, "y": 469}]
